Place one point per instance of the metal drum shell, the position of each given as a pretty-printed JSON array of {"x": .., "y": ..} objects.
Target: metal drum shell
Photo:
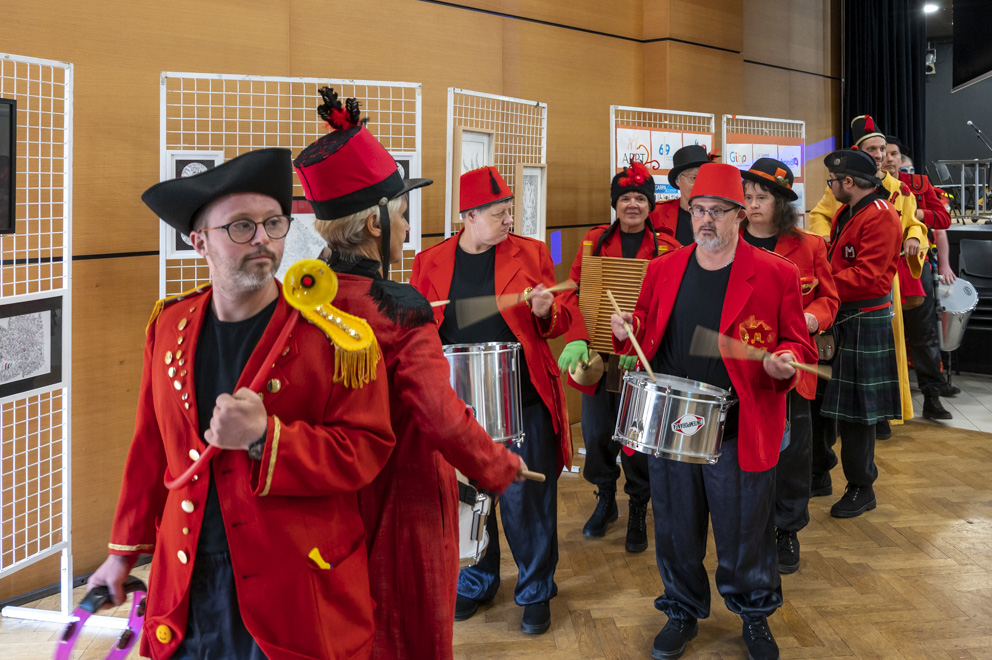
[
  {"x": 956, "y": 301},
  {"x": 648, "y": 411},
  {"x": 487, "y": 378}
]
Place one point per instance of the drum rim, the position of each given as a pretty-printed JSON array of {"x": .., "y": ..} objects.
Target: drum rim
[
  {"x": 482, "y": 347},
  {"x": 951, "y": 291},
  {"x": 700, "y": 387}
]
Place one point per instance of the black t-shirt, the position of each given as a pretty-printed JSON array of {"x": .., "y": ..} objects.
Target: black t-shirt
[
  {"x": 699, "y": 302},
  {"x": 631, "y": 243},
  {"x": 765, "y": 243},
  {"x": 475, "y": 275},
  {"x": 222, "y": 352},
  {"x": 683, "y": 228}
]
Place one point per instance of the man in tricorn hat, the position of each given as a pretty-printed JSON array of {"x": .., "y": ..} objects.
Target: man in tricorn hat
[
  {"x": 274, "y": 521},
  {"x": 673, "y": 216},
  {"x": 746, "y": 294},
  {"x": 865, "y": 238},
  {"x": 485, "y": 259}
]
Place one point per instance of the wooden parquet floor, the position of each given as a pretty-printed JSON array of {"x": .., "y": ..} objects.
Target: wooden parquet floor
[{"x": 912, "y": 579}]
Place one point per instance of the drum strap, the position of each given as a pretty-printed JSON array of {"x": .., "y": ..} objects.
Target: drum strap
[{"x": 467, "y": 494}]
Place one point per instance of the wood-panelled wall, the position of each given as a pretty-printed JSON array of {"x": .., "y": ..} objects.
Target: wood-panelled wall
[{"x": 777, "y": 58}]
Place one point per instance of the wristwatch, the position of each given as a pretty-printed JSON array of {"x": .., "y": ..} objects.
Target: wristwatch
[{"x": 256, "y": 449}]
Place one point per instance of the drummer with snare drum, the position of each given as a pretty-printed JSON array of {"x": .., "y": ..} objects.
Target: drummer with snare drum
[
  {"x": 748, "y": 295},
  {"x": 485, "y": 259}
]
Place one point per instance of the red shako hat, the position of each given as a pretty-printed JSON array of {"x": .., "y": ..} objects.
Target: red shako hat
[
  {"x": 719, "y": 180},
  {"x": 482, "y": 187}
]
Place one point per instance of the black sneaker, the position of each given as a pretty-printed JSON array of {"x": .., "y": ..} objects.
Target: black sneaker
[
  {"x": 882, "y": 430},
  {"x": 758, "y": 637},
  {"x": 933, "y": 409},
  {"x": 537, "y": 618},
  {"x": 856, "y": 500},
  {"x": 637, "y": 531},
  {"x": 671, "y": 641},
  {"x": 465, "y": 607},
  {"x": 605, "y": 513},
  {"x": 788, "y": 551},
  {"x": 820, "y": 485},
  {"x": 948, "y": 390}
]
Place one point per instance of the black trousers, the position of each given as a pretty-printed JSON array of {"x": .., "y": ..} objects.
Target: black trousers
[
  {"x": 923, "y": 338},
  {"x": 740, "y": 505},
  {"x": 792, "y": 474},
  {"x": 599, "y": 420},
  {"x": 824, "y": 437}
]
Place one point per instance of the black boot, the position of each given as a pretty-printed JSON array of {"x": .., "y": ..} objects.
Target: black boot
[
  {"x": 788, "y": 551},
  {"x": 465, "y": 607},
  {"x": 605, "y": 513},
  {"x": 856, "y": 500},
  {"x": 637, "y": 531},
  {"x": 758, "y": 637},
  {"x": 882, "y": 430},
  {"x": 820, "y": 485},
  {"x": 671, "y": 641},
  {"x": 946, "y": 389},
  {"x": 933, "y": 409}
]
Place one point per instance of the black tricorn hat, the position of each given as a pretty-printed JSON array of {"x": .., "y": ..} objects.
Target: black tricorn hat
[
  {"x": 263, "y": 171},
  {"x": 773, "y": 174},
  {"x": 852, "y": 162},
  {"x": 692, "y": 156}
]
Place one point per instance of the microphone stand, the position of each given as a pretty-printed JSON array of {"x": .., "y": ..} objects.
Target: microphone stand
[
  {"x": 981, "y": 136},
  {"x": 985, "y": 141}
]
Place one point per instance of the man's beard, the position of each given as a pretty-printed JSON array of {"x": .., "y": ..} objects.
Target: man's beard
[
  {"x": 255, "y": 276},
  {"x": 714, "y": 243}
]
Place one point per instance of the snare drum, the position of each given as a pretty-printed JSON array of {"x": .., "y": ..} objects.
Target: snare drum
[
  {"x": 473, "y": 510},
  {"x": 486, "y": 378},
  {"x": 957, "y": 301},
  {"x": 671, "y": 417}
]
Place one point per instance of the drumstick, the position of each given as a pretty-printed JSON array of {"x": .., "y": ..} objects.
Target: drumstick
[
  {"x": 533, "y": 476},
  {"x": 256, "y": 384},
  {"x": 706, "y": 343},
  {"x": 630, "y": 333},
  {"x": 469, "y": 311},
  {"x": 439, "y": 303}
]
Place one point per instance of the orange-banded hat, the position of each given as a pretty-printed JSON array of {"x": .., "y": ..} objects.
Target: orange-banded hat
[{"x": 774, "y": 175}]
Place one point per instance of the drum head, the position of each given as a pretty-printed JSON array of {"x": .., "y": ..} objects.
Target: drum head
[
  {"x": 958, "y": 297},
  {"x": 673, "y": 384}
]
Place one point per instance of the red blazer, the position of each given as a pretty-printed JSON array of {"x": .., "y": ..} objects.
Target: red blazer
[
  {"x": 816, "y": 282},
  {"x": 520, "y": 263},
  {"x": 863, "y": 257},
  {"x": 611, "y": 248},
  {"x": 935, "y": 212},
  {"x": 411, "y": 509},
  {"x": 323, "y": 443},
  {"x": 762, "y": 295},
  {"x": 665, "y": 217}
]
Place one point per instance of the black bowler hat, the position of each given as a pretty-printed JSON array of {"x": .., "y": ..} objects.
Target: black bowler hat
[
  {"x": 852, "y": 162},
  {"x": 263, "y": 171},
  {"x": 773, "y": 174},
  {"x": 687, "y": 157}
]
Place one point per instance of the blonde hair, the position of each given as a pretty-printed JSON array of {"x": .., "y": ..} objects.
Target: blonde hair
[{"x": 347, "y": 235}]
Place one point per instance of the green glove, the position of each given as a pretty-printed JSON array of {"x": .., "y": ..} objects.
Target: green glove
[
  {"x": 628, "y": 362},
  {"x": 573, "y": 353}
]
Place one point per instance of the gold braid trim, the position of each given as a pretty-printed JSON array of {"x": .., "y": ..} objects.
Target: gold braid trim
[
  {"x": 160, "y": 305},
  {"x": 554, "y": 320},
  {"x": 276, "y": 429},
  {"x": 130, "y": 548},
  {"x": 356, "y": 368}
]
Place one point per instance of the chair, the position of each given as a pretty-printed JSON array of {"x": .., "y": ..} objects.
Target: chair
[
  {"x": 975, "y": 266},
  {"x": 953, "y": 190}
]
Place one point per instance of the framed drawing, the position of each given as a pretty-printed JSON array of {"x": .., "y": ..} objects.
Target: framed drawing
[
  {"x": 30, "y": 345},
  {"x": 472, "y": 149},
  {"x": 183, "y": 164},
  {"x": 529, "y": 202},
  {"x": 8, "y": 159}
]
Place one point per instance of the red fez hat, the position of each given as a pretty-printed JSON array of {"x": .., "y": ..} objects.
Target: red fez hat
[
  {"x": 719, "y": 180},
  {"x": 347, "y": 170},
  {"x": 482, "y": 187}
]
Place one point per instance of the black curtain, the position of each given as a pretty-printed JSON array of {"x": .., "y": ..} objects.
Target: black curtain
[{"x": 884, "y": 68}]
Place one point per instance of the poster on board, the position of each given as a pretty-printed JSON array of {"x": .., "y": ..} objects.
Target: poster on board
[
  {"x": 655, "y": 149},
  {"x": 742, "y": 150}
]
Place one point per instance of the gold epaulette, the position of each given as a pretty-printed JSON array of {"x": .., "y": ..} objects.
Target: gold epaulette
[
  {"x": 356, "y": 351},
  {"x": 165, "y": 302}
]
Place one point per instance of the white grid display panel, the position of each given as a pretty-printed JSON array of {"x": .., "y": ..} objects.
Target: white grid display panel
[
  {"x": 33, "y": 259},
  {"x": 32, "y": 455},
  {"x": 521, "y": 135},
  {"x": 235, "y": 114},
  {"x": 669, "y": 120}
]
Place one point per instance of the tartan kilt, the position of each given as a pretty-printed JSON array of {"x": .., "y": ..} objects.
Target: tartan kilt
[{"x": 865, "y": 384}]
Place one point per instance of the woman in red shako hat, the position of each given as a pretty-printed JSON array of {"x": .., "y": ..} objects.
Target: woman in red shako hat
[
  {"x": 410, "y": 510},
  {"x": 772, "y": 224},
  {"x": 631, "y": 236},
  {"x": 485, "y": 259}
]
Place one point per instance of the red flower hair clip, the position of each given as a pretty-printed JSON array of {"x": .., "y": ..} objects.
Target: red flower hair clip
[{"x": 637, "y": 174}]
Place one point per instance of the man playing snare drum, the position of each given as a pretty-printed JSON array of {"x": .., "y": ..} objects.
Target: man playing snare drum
[{"x": 747, "y": 295}]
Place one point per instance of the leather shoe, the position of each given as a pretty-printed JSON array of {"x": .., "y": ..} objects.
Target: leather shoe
[
  {"x": 788, "y": 551},
  {"x": 537, "y": 618},
  {"x": 933, "y": 409},
  {"x": 758, "y": 637},
  {"x": 820, "y": 485},
  {"x": 670, "y": 643},
  {"x": 856, "y": 500},
  {"x": 882, "y": 430},
  {"x": 948, "y": 390},
  {"x": 637, "y": 533},
  {"x": 605, "y": 513},
  {"x": 465, "y": 607}
]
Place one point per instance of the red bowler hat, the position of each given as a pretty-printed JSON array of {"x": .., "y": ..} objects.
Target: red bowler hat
[
  {"x": 482, "y": 187},
  {"x": 719, "y": 180}
]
